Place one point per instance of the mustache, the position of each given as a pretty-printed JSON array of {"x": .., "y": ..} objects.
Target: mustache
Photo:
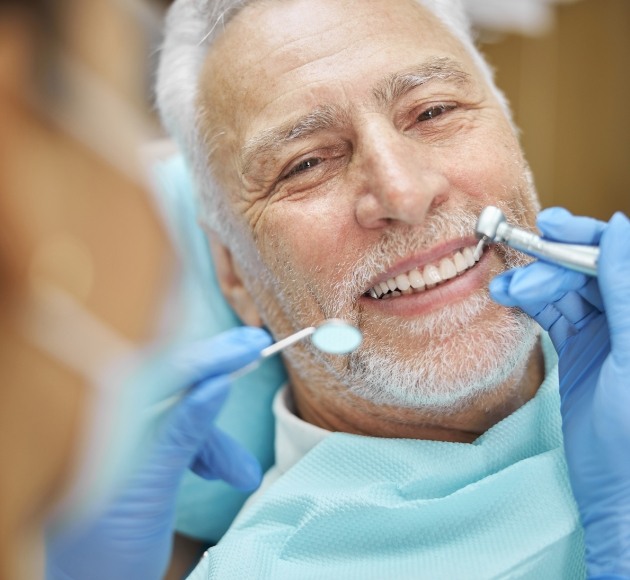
[{"x": 400, "y": 242}]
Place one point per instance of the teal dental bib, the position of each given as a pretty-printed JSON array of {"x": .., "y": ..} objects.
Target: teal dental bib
[{"x": 368, "y": 508}]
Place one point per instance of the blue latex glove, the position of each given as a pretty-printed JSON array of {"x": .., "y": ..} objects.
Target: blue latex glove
[
  {"x": 133, "y": 538},
  {"x": 588, "y": 320}
]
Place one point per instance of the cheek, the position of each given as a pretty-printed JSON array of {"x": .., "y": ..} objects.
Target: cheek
[
  {"x": 313, "y": 237},
  {"x": 487, "y": 168}
]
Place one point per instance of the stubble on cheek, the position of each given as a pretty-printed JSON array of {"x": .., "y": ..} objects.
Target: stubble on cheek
[{"x": 290, "y": 283}]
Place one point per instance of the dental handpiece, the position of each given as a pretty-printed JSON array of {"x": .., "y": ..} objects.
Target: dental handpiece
[{"x": 492, "y": 227}]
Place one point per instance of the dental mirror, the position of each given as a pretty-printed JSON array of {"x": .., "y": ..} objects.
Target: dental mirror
[
  {"x": 332, "y": 336},
  {"x": 336, "y": 336}
]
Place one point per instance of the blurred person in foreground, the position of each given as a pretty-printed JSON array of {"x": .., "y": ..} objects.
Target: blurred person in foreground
[
  {"x": 87, "y": 276},
  {"x": 79, "y": 243}
]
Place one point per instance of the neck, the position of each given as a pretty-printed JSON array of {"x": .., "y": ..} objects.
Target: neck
[{"x": 351, "y": 414}]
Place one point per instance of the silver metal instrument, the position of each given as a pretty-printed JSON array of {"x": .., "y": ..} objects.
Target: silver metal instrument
[
  {"x": 492, "y": 227},
  {"x": 333, "y": 336}
]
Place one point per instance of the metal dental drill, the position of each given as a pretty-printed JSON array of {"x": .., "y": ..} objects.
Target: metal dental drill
[{"x": 492, "y": 227}]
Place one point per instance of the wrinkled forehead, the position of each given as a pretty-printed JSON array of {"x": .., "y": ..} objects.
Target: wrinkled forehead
[{"x": 275, "y": 55}]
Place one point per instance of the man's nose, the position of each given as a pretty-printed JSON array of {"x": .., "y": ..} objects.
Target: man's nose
[{"x": 400, "y": 179}]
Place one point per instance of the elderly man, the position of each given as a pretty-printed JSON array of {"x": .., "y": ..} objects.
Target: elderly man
[
  {"x": 342, "y": 151},
  {"x": 376, "y": 131}
]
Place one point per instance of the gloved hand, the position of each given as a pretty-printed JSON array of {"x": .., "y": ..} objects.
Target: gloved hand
[
  {"x": 133, "y": 538},
  {"x": 588, "y": 320}
]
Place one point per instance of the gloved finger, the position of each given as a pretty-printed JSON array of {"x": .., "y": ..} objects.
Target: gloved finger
[
  {"x": 614, "y": 279},
  {"x": 590, "y": 292},
  {"x": 221, "y": 354},
  {"x": 191, "y": 422},
  {"x": 576, "y": 310},
  {"x": 556, "y": 223},
  {"x": 500, "y": 292},
  {"x": 500, "y": 289},
  {"x": 540, "y": 282},
  {"x": 222, "y": 457},
  {"x": 563, "y": 318},
  {"x": 554, "y": 322}
]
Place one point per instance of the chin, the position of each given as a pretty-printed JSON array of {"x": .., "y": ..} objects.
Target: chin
[{"x": 457, "y": 355}]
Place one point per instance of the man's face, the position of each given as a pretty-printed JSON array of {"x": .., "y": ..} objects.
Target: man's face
[{"x": 358, "y": 143}]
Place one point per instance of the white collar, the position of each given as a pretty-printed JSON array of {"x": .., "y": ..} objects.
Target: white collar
[{"x": 294, "y": 437}]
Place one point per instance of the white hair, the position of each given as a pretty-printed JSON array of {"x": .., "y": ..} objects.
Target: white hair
[{"x": 191, "y": 28}]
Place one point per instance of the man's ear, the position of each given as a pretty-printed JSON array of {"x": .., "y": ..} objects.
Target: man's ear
[{"x": 230, "y": 280}]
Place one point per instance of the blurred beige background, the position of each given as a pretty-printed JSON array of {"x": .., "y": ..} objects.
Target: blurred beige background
[{"x": 570, "y": 92}]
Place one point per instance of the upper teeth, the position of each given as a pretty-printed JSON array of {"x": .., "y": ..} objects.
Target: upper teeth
[{"x": 420, "y": 279}]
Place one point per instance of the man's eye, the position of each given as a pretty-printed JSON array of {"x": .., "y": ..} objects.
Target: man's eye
[
  {"x": 303, "y": 166},
  {"x": 435, "y": 111}
]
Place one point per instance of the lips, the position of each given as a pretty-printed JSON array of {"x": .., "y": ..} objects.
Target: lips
[{"x": 426, "y": 277}]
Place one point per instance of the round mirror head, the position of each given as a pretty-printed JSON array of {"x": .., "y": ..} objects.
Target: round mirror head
[{"x": 336, "y": 336}]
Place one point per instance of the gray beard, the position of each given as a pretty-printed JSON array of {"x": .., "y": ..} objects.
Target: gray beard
[{"x": 452, "y": 372}]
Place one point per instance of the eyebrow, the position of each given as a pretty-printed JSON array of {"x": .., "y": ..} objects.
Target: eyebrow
[
  {"x": 326, "y": 117},
  {"x": 269, "y": 140},
  {"x": 400, "y": 83}
]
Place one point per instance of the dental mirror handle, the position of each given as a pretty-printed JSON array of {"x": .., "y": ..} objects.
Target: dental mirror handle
[
  {"x": 332, "y": 336},
  {"x": 248, "y": 368},
  {"x": 581, "y": 258},
  {"x": 271, "y": 350}
]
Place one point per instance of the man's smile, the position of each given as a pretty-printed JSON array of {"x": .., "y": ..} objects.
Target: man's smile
[
  {"x": 421, "y": 278},
  {"x": 430, "y": 281}
]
